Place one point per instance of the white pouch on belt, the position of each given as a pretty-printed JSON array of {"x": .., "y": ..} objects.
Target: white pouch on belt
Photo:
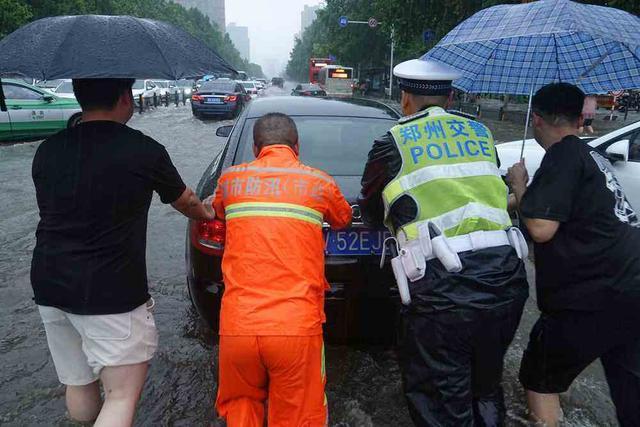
[
  {"x": 518, "y": 242},
  {"x": 441, "y": 249},
  {"x": 405, "y": 266},
  {"x": 413, "y": 261},
  {"x": 401, "y": 280}
]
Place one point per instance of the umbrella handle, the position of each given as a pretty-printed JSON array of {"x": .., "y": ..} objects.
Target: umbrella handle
[{"x": 526, "y": 124}]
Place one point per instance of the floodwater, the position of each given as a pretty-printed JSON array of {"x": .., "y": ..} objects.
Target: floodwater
[{"x": 364, "y": 387}]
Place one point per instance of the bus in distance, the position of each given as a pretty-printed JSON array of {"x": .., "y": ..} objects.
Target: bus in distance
[
  {"x": 315, "y": 65},
  {"x": 336, "y": 80}
]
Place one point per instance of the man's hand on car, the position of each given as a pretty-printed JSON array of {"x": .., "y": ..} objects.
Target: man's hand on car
[{"x": 190, "y": 206}]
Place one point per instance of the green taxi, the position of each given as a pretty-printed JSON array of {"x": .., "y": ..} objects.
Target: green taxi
[{"x": 34, "y": 113}]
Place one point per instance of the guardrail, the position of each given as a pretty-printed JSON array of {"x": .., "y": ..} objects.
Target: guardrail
[{"x": 155, "y": 101}]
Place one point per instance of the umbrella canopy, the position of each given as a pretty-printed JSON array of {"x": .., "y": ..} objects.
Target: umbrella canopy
[
  {"x": 516, "y": 49},
  {"x": 96, "y": 46}
]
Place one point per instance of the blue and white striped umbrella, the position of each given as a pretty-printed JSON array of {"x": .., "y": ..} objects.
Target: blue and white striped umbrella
[{"x": 516, "y": 49}]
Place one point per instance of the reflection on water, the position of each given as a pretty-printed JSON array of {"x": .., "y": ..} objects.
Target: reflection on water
[{"x": 364, "y": 386}]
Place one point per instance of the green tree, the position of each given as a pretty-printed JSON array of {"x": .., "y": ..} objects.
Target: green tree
[{"x": 13, "y": 14}]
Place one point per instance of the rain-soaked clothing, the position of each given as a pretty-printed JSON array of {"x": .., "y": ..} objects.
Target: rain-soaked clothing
[
  {"x": 287, "y": 370},
  {"x": 273, "y": 303},
  {"x": 458, "y": 325},
  {"x": 273, "y": 263}
]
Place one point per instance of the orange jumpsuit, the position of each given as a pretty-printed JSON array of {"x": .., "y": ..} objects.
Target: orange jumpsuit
[{"x": 273, "y": 304}]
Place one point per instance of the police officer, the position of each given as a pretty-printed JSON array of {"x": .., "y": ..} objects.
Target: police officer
[{"x": 433, "y": 180}]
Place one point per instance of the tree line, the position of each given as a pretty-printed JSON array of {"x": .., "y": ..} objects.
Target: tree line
[
  {"x": 15, "y": 13},
  {"x": 361, "y": 46}
]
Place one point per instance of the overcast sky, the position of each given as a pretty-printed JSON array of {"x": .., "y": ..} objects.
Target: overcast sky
[{"x": 272, "y": 26}]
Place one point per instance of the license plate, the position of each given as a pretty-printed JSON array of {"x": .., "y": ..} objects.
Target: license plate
[
  {"x": 213, "y": 101},
  {"x": 354, "y": 242}
]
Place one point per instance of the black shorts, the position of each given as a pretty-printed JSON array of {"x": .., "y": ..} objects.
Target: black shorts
[
  {"x": 563, "y": 344},
  {"x": 588, "y": 122}
]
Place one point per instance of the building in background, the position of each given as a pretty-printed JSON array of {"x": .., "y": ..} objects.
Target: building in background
[
  {"x": 308, "y": 16},
  {"x": 213, "y": 9},
  {"x": 240, "y": 38}
]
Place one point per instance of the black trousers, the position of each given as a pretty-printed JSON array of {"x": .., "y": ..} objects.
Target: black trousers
[{"x": 452, "y": 364}]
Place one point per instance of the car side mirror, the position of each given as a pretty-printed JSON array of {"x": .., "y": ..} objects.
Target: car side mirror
[
  {"x": 47, "y": 98},
  {"x": 619, "y": 151},
  {"x": 224, "y": 131}
]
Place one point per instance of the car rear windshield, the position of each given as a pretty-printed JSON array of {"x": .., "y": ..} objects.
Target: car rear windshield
[
  {"x": 310, "y": 87},
  {"x": 218, "y": 87},
  {"x": 339, "y": 146},
  {"x": 248, "y": 85}
]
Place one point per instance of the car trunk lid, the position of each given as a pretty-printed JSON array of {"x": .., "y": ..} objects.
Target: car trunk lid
[{"x": 352, "y": 256}]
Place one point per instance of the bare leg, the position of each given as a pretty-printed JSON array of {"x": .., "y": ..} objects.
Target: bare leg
[
  {"x": 590, "y": 129},
  {"x": 84, "y": 402},
  {"x": 544, "y": 409},
  {"x": 122, "y": 388}
]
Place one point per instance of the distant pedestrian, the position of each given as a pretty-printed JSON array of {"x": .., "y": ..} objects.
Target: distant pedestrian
[
  {"x": 94, "y": 184},
  {"x": 589, "y": 113},
  {"x": 587, "y": 241}
]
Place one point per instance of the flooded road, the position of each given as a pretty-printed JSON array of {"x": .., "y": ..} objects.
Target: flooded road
[{"x": 364, "y": 387}]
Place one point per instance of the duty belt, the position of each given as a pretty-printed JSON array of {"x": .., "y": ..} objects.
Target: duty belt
[{"x": 411, "y": 261}]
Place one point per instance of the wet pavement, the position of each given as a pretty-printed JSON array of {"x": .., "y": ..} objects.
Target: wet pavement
[{"x": 364, "y": 387}]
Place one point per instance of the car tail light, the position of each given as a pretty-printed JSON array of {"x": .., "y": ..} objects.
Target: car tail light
[
  {"x": 209, "y": 236},
  {"x": 306, "y": 93},
  {"x": 231, "y": 98},
  {"x": 196, "y": 97}
]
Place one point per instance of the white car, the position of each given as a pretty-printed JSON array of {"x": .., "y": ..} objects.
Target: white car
[
  {"x": 250, "y": 87},
  {"x": 621, "y": 146},
  {"x": 261, "y": 87},
  {"x": 164, "y": 86},
  {"x": 146, "y": 88}
]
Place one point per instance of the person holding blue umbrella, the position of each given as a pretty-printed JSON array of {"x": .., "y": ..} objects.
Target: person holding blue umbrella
[
  {"x": 433, "y": 180},
  {"x": 587, "y": 241}
]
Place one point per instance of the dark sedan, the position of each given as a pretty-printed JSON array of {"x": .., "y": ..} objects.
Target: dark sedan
[
  {"x": 308, "y": 90},
  {"x": 219, "y": 98},
  {"x": 335, "y": 136}
]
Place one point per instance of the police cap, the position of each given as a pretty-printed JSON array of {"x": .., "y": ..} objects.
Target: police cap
[{"x": 425, "y": 77}]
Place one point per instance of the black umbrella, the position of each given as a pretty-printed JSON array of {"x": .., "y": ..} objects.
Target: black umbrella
[{"x": 98, "y": 46}]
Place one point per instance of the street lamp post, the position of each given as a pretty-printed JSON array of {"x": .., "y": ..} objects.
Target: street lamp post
[{"x": 343, "y": 21}]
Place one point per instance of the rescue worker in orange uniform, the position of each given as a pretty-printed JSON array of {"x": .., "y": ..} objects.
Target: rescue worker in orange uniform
[{"x": 272, "y": 311}]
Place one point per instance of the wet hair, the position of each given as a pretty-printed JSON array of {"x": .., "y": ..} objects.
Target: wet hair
[
  {"x": 558, "y": 103},
  {"x": 273, "y": 129},
  {"x": 100, "y": 94}
]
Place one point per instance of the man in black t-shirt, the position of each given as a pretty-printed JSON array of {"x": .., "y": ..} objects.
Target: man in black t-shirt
[
  {"x": 94, "y": 184},
  {"x": 587, "y": 256}
]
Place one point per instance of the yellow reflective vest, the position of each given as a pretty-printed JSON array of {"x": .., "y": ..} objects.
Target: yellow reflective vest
[{"x": 449, "y": 168}]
